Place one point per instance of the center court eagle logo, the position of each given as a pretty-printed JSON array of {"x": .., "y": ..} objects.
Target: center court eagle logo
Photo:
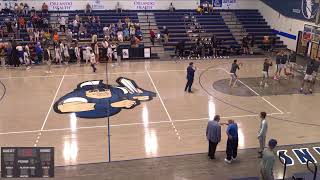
[{"x": 94, "y": 99}]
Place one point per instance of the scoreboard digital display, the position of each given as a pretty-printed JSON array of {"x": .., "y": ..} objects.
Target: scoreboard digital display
[{"x": 25, "y": 162}]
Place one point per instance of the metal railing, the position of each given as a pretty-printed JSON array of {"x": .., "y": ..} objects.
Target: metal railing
[
  {"x": 283, "y": 161},
  {"x": 314, "y": 171}
]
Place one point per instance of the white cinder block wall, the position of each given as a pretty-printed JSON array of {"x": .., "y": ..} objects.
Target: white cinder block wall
[{"x": 283, "y": 24}]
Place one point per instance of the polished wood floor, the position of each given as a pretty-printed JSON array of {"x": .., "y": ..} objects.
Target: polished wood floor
[{"x": 173, "y": 123}]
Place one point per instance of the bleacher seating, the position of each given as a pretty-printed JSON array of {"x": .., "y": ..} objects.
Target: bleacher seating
[
  {"x": 251, "y": 20},
  {"x": 254, "y": 24}
]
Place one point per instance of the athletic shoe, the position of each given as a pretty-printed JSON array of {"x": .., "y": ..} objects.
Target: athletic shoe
[
  {"x": 310, "y": 91},
  {"x": 301, "y": 89},
  {"x": 227, "y": 161},
  {"x": 234, "y": 159},
  {"x": 266, "y": 85}
]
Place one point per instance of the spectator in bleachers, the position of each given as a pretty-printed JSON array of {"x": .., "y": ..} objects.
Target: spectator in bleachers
[
  {"x": 120, "y": 35},
  {"x": 29, "y": 26},
  {"x": 9, "y": 24},
  {"x": 118, "y": 8},
  {"x": 36, "y": 35},
  {"x": 26, "y": 9},
  {"x": 132, "y": 30},
  {"x": 44, "y": 8},
  {"x": 45, "y": 22},
  {"x": 126, "y": 34},
  {"x": 33, "y": 11},
  {"x": 88, "y": 9},
  {"x": 127, "y": 21},
  {"x": 16, "y": 8},
  {"x": 139, "y": 34},
  {"x": 69, "y": 37},
  {"x": 106, "y": 32},
  {"x": 62, "y": 22},
  {"x": 39, "y": 53},
  {"x": 119, "y": 24},
  {"x": 245, "y": 45},
  {"x": 199, "y": 10},
  {"x": 56, "y": 37},
  {"x": 47, "y": 35},
  {"x": 171, "y": 7},
  {"x": 94, "y": 38},
  {"x": 165, "y": 34},
  {"x": 22, "y": 22},
  {"x": 152, "y": 36}
]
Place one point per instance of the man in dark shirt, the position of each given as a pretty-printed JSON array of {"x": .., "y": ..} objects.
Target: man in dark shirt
[
  {"x": 308, "y": 78},
  {"x": 234, "y": 77},
  {"x": 292, "y": 61},
  {"x": 283, "y": 61},
  {"x": 265, "y": 72},
  {"x": 190, "y": 77},
  {"x": 315, "y": 72},
  {"x": 278, "y": 62}
]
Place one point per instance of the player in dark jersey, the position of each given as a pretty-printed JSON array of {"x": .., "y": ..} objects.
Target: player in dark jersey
[
  {"x": 265, "y": 73},
  {"x": 233, "y": 73},
  {"x": 308, "y": 78},
  {"x": 315, "y": 73},
  {"x": 278, "y": 66}
]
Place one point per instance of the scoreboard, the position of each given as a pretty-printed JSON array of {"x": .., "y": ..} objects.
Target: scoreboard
[{"x": 25, "y": 162}]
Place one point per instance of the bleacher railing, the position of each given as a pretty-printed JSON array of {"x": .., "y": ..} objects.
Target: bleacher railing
[
  {"x": 283, "y": 161},
  {"x": 313, "y": 171}
]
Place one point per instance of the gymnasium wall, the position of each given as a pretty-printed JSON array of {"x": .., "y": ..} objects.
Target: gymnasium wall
[
  {"x": 137, "y": 4},
  {"x": 286, "y": 27}
]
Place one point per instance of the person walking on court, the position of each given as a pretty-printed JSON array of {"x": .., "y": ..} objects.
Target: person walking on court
[
  {"x": 232, "y": 142},
  {"x": 213, "y": 135},
  {"x": 265, "y": 73},
  {"x": 262, "y": 132},
  {"x": 190, "y": 77},
  {"x": 268, "y": 161},
  {"x": 233, "y": 73}
]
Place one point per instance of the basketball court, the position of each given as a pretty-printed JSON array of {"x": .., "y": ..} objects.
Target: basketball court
[{"x": 172, "y": 123}]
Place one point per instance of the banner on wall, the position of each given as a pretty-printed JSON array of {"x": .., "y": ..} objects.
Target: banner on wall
[
  {"x": 97, "y": 5},
  {"x": 144, "y": 4},
  {"x": 125, "y": 53},
  {"x": 298, "y": 9},
  {"x": 60, "y": 5},
  {"x": 147, "y": 52},
  {"x": 219, "y": 3}
]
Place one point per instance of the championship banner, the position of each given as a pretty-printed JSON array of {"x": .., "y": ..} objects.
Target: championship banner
[
  {"x": 97, "y": 5},
  {"x": 125, "y": 53},
  {"x": 144, "y": 4},
  {"x": 60, "y": 5},
  {"x": 147, "y": 52}
]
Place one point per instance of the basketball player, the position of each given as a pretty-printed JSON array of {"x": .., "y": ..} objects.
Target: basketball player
[
  {"x": 278, "y": 61},
  {"x": 265, "y": 72},
  {"x": 308, "y": 78},
  {"x": 283, "y": 62},
  {"x": 93, "y": 61},
  {"x": 315, "y": 72},
  {"x": 233, "y": 73}
]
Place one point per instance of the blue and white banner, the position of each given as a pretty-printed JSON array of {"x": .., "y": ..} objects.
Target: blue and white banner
[
  {"x": 219, "y": 3},
  {"x": 298, "y": 9}
]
